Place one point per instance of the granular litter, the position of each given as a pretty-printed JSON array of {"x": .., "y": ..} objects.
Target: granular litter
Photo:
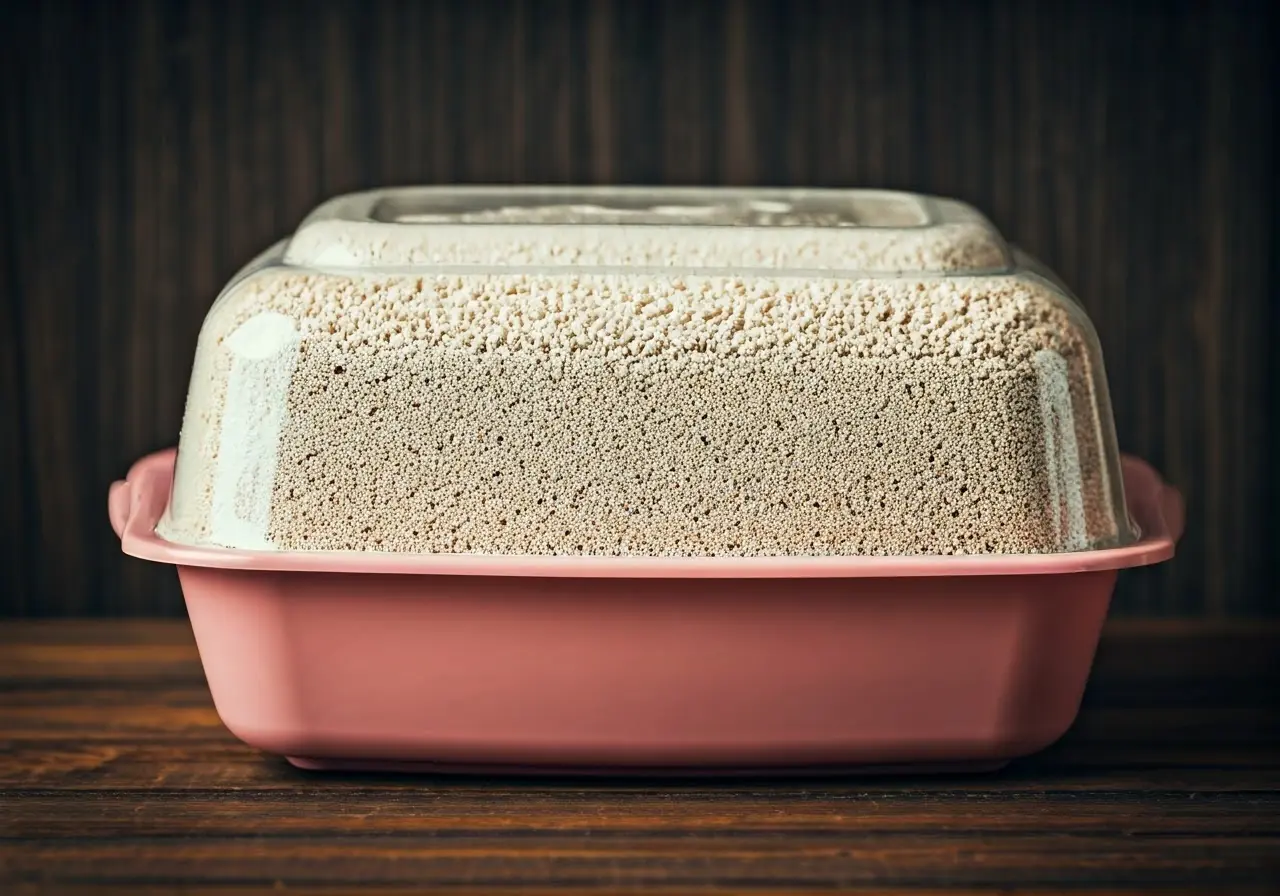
[{"x": 643, "y": 414}]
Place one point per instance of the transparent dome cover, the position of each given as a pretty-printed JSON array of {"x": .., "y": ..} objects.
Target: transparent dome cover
[{"x": 647, "y": 372}]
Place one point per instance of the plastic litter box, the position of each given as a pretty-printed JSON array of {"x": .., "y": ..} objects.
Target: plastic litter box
[{"x": 633, "y": 480}]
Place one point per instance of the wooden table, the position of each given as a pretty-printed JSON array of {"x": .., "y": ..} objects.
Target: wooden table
[{"x": 116, "y": 773}]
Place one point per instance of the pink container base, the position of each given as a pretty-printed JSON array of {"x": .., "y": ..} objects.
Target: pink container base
[{"x": 662, "y": 666}]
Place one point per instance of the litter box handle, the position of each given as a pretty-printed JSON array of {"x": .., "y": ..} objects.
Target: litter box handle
[
  {"x": 125, "y": 496},
  {"x": 1151, "y": 498},
  {"x": 120, "y": 505}
]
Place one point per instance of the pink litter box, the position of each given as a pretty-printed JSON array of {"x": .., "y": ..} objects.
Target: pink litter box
[
  {"x": 646, "y": 480},
  {"x": 604, "y": 664}
]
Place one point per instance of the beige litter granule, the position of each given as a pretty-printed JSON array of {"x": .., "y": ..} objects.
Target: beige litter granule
[{"x": 643, "y": 414}]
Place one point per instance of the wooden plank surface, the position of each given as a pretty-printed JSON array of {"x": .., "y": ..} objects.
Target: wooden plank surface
[
  {"x": 115, "y": 773},
  {"x": 150, "y": 148}
]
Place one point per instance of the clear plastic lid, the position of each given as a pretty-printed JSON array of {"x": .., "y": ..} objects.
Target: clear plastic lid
[
  {"x": 648, "y": 372},
  {"x": 856, "y": 230}
]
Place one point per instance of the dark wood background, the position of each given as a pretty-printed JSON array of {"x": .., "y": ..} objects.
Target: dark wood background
[{"x": 149, "y": 149}]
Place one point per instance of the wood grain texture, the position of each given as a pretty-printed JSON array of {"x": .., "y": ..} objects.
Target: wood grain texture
[
  {"x": 115, "y": 773},
  {"x": 150, "y": 148}
]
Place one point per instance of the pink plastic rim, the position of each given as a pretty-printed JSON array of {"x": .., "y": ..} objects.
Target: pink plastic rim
[{"x": 136, "y": 504}]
